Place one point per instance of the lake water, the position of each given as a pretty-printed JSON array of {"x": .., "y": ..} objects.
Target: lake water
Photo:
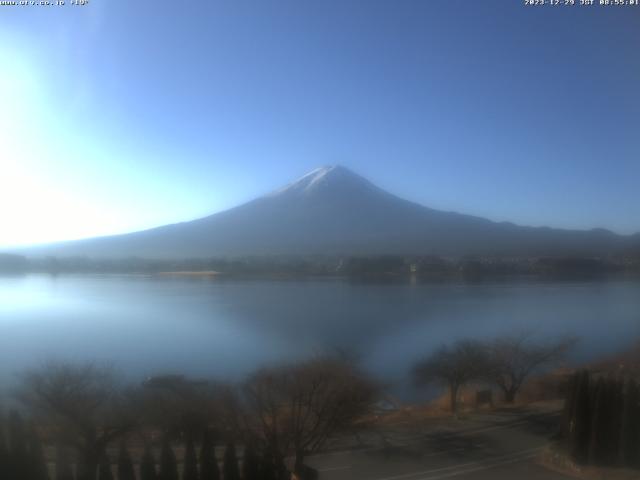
[{"x": 225, "y": 328}]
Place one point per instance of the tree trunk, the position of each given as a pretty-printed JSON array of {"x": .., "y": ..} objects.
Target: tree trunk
[
  {"x": 297, "y": 466},
  {"x": 509, "y": 395},
  {"x": 89, "y": 456},
  {"x": 88, "y": 467},
  {"x": 454, "y": 398},
  {"x": 301, "y": 471}
]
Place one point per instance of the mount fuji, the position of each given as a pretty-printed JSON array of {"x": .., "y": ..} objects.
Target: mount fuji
[{"x": 334, "y": 211}]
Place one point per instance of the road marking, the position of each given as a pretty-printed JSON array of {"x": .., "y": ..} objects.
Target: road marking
[{"x": 507, "y": 458}]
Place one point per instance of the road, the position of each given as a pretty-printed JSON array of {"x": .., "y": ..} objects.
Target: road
[{"x": 500, "y": 445}]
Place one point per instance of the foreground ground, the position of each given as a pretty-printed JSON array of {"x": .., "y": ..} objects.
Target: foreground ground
[{"x": 499, "y": 445}]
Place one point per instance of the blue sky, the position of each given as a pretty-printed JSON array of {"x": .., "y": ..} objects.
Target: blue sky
[{"x": 122, "y": 115}]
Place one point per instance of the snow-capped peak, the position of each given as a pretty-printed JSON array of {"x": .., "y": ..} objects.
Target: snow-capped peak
[{"x": 325, "y": 178}]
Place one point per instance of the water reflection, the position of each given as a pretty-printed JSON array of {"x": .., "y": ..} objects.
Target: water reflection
[{"x": 228, "y": 327}]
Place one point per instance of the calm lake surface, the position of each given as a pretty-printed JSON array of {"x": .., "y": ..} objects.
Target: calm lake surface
[{"x": 225, "y": 328}]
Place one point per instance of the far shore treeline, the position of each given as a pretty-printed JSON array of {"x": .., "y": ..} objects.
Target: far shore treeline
[{"x": 380, "y": 266}]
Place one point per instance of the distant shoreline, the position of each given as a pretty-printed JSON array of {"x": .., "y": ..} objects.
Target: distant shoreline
[
  {"x": 413, "y": 267},
  {"x": 192, "y": 273}
]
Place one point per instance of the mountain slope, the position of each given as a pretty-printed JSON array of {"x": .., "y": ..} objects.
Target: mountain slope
[{"x": 331, "y": 210}]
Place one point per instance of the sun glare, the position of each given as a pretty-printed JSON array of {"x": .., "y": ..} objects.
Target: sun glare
[{"x": 34, "y": 205}]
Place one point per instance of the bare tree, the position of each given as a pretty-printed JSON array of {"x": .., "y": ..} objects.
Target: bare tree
[
  {"x": 180, "y": 406},
  {"x": 453, "y": 366},
  {"x": 297, "y": 409},
  {"x": 81, "y": 404},
  {"x": 513, "y": 358}
]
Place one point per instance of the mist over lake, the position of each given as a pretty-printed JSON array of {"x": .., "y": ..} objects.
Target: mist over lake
[{"x": 222, "y": 328}]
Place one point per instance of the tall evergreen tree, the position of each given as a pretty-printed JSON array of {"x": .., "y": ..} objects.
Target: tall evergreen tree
[
  {"x": 168, "y": 462},
  {"x": 64, "y": 470},
  {"x": 282, "y": 472},
  {"x": 268, "y": 467},
  {"x": 616, "y": 405},
  {"x": 19, "y": 462},
  {"x": 104, "y": 468},
  {"x": 148, "y": 465},
  {"x": 190, "y": 471},
  {"x": 125, "y": 464},
  {"x": 208, "y": 462},
  {"x": 568, "y": 412},
  {"x": 580, "y": 425},
  {"x": 4, "y": 451},
  {"x": 598, "y": 447},
  {"x": 250, "y": 464},
  {"x": 630, "y": 431},
  {"x": 86, "y": 468},
  {"x": 272, "y": 466},
  {"x": 37, "y": 461},
  {"x": 230, "y": 463}
]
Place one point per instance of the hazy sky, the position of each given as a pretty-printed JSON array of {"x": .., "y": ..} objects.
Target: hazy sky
[{"x": 122, "y": 115}]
